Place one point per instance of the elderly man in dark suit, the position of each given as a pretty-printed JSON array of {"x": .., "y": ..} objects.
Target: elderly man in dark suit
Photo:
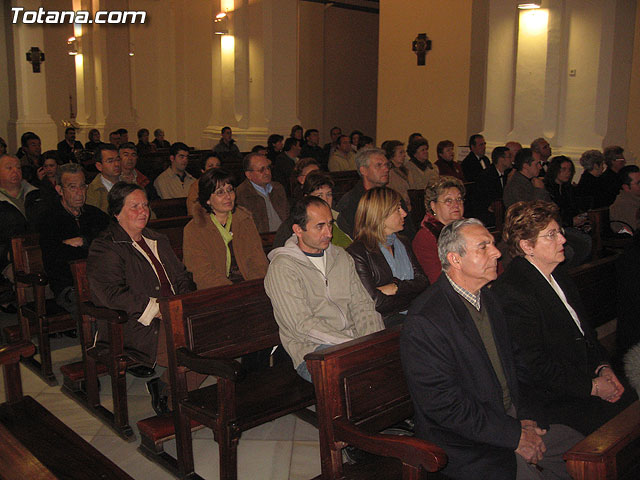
[{"x": 460, "y": 369}]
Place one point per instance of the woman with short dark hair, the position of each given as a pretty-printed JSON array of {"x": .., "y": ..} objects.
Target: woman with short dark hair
[
  {"x": 129, "y": 267},
  {"x": 221, "y": 243}
]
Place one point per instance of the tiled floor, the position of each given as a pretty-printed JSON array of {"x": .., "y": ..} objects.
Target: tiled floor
[{"x": 283, "y": 449}]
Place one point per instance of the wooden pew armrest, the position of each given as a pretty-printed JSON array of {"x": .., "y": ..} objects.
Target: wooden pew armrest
[
  {"x": 103, "y": 313},
  {"x": 410, "y": 450},
  {"x": 32, "y": 278},
  {"x": 12, "y": 353},
  {"x": 228, "y": 369}
]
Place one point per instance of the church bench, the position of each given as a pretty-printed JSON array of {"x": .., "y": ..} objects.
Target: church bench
[
  {"x": 343, "y": 182},
  {"x": 206, "y": 332},
  {"x": 611, "y": 452},
  {"x": 360, "y": 391},
  {"x": 596, "y": 281},
  {"x": 173, "y": 228},
  {"x": 39, "y": 317},
  {"x": 36, "y": 444},
  {"x": 170, "y": 207},
  {"x": 80, "y": 379}
]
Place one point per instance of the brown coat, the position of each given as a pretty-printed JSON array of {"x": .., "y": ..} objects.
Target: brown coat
[
  {"x": 205, "y": 254},
  {"x": 120, "y": 277},
  {"x": 247, "y": 197}
]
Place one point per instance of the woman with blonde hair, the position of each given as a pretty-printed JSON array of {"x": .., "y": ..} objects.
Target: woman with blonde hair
[{"x": 384, "y": 261}]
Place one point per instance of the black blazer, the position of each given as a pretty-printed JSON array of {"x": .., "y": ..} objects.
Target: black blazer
[
  {"x": 472, "y": 167},
  {"x": 374, "y": 271},
  {"x": 559, "y": 361},
  {"x": 455, "y": 391}
]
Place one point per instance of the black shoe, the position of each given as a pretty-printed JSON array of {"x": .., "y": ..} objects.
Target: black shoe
[
  {"x": 353, "y": 455},
  {"x": 141, "y": 371},
  {"x": 71, "y": 333},
  {"x": 159, "y": 402},
  {"x": 8, "y": 308}
]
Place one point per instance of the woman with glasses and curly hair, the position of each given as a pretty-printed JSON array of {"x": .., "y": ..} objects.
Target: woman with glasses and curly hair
[
  {"x": 444, "y": 202},
  {"x": 565, "y": 367}
]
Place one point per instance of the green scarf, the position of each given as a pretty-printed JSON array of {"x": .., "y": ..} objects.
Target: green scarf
[{"x": 227, "y": 236}]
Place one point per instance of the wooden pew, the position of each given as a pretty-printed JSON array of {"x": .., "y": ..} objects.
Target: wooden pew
[
  {"x": 611, "y": 452},
  {"x": 36, "y": 444},
  {"x": 596, "y": 282},
  {"x": 343, "y": 182},
  {"x": 603, "y": 239},
  {"x": 170, "y": 207},
  {"x": 81, "y": 378},
  {"x": 172, "y": 227},
  {"x": 206, "y": 331},
  {"x": 41, "y": 316},
  {"x": 360, "y": 391}
]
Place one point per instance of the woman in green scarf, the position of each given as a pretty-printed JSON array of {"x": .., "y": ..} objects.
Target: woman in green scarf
[{"x": 221, "y": 243}]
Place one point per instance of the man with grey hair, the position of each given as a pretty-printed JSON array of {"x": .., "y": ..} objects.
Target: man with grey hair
[
  {"x": 541, "y": 151},
  {"x": 458, "y": 361},
  {"x": 264, "y": 198},
  {"x": 67, "y": 231},
  {"x": 610, "y": 180},
  {"x": 373, "y": 167}
]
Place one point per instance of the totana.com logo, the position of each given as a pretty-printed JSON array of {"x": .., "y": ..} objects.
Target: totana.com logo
[{"x": 20, "y": 15}]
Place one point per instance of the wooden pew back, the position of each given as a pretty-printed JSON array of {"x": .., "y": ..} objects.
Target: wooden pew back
[
  {"x": 343, "y": 182},
  {"x": 206, "y": 322},
  {"x": 37, "y": 315},
  {"x": 169, "y": 207},
  {"x": 173, "y": 228},
  {"x": 361, "y": 390}
]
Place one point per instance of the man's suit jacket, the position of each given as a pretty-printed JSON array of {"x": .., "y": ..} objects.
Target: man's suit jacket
[
  {"x": 249, "y": 198},
  {"x": 488, "y": 189},
  {"x": 559, "y": 362},
  {"x": 472, "y": 167},
  {"x": 455, "y": 391}
]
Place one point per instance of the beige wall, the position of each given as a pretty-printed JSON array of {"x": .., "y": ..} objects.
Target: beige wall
[
  {"x": 432, "y": 99},
  {"x": 633, "y": 117},
  {"x": 4, "y": 82}
]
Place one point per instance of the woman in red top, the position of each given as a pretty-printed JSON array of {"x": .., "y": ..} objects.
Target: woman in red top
[{"x": 444, "y": 202}]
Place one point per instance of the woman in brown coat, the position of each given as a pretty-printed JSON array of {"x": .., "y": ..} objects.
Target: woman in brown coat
[
  {"x": 221, "y": 243},
  {"x": 129, "y": 267}
]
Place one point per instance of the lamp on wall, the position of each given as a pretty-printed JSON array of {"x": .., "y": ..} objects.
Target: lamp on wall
[
  {"x": 73, "y": 45},
  {"x": 221, "y": 24},
  {"x": 528, "y": 5}
]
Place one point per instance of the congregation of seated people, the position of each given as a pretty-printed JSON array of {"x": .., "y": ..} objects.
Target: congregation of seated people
[{"x": 340, "y": 270}]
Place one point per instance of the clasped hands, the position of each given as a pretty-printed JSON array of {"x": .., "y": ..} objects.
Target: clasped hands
[
  {"x": 607, "y": 386},
  {"x": 531, "y": 447}
]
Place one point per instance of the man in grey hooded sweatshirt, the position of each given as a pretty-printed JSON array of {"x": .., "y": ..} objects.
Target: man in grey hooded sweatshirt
[{"x": 318, "y": 299}]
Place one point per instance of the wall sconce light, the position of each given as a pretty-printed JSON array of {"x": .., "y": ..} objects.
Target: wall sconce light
[
  {"x": 132, "y": 49},
  {"x": 221, "y": 24},
  {"x": 529, "y": 5},
  {"x": 73, "y": 46}
]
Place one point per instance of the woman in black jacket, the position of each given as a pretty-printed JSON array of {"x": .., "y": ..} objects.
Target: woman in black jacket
[{"x": 384, "y": 261}]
